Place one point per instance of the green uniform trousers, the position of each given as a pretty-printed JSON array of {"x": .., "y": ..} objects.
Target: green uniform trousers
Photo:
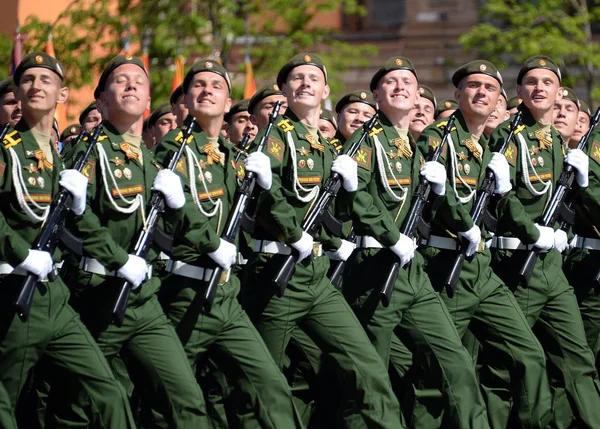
[
  {"x": 55, "y": 330},
  {"x": 7, "y": 416},
  {"x": 313, "y": 304},
  {"x": 420, "y": 319},
  {"x": 551, "y": 309},
  {"x": 236, "y": 346}
]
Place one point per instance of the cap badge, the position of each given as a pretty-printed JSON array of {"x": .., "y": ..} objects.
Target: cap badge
[
  {"x": 129, "y": 57},
  {"x": 542, "y": 63},
  {"x": 565, "y": 93},
  {"x": 482, "y": 67},
  {"x": 399, "y": 62},
  {"x": 275, "y": 87},
  {"x": 447, "y": 104},
  {"x": 307, "y": 58},
  {"x": 421, "y": 90},
  {"x": 208, "y": 65},
  {"x": 39, "y": 59},
  {"x": 363, "y": 96}
]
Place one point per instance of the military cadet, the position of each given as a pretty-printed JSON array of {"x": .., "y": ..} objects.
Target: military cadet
[
  {"x": 147, "y": 137},
  {"x": 513, "y": 103},
  {"x": 566, "y": 114},
  {"x": 177, "y": 101},
  {"x": 390, "y": 166},
  {"x": 121, "y": 172},
  {"x": 68, "y": 135},
  {"x": 353, "y": 110},
  {"x": 239, "y": 123},
  {"x": 327, "y": 123},
  {"x": 30, "y": 173},
  {"x": 161, "y": 121},
  {"x": 262, "y": 102},
  {"x": 10, "y": 107},
  {"x": 301, "y": 160},
  {"x": 481, "y": 302},
  {"x": 210, "y": 174},
  {"x": 90, "y": 117},
  {"x": 536, "y": 158},
  {"x": 498, "y": 115},
  {"x": 445, "y": 109},
  {"x": 584, "y": 118},
  {"x": 422, "y": 114}
]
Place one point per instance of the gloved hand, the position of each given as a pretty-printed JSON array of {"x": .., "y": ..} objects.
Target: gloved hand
[
  {"x": 344, "y": 252},
  {"x": 474, "y": 237},
  {"x": 546, "y": 240},
  {"x": 572, "y": 243},
  {"x": 260, "y": 164},
  {"x": 76, "y": 183},
  {"x": 499, "y": 165},
  {"x": 135, "y": 271},
  {"x": 580, "y": 162},
  {"x": 561, "y": 241},
  {"x": 435, "y": 173},
  {"x": 225, "y": 255},
  {"x": 347, "y": 168},
  {"x": 304, "y": 246},
  {"x": 168, "y": 184},
  {"x": 38, "y": 263},
  {"x": 405, "y": 249}
]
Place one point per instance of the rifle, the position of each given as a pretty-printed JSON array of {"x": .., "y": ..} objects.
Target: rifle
[
  {"x": 47, "y": 240},
  {"x": 337, "y": 267},
  {"x": 553, "y": 209},
  {"x": 155, "y": 209},
  {"x": 314, "y": 217},
  {"x": 412, "y": 219},
  {"x": 479, "y": 209},
  {"x": 234, "y": 221}
]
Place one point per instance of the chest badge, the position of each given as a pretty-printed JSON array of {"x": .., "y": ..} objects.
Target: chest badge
[
  {"x": 127, "y": 173},
  {"x": 467, "y": 169},
  {"x": 118, "y": 173},
  {"x": 310, "y": 163}
]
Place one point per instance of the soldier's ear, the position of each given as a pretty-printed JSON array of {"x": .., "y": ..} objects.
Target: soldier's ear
[
  {"x": 326, "y": 91},
  {"x": 457, "y": 94},
  {"x": 63, "y": 95},
  {"x": 559, "y": 95},
  {"x": 519, "y": 91},
  {"x": 228, "y": 105},
  {"x": 149, "y": 103}
]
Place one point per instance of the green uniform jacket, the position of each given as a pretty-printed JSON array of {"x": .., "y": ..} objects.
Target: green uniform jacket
[
  {"x": 587, "y": 202},
  {"x": 17, "y": 230}
]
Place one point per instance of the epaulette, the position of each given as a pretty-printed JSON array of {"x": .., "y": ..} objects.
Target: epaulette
[
  {"x": 443, "y": 124},
  {"x": 179, "y": 137},
  {"x": 377, "y": 128},
  {"x": 101, "y": 137},
  {"x": 337, "y": 145},
  {"x": 521, "y": 128},
  {"x": 11, "y": 139},
  {"x": 285, "y": 125}
]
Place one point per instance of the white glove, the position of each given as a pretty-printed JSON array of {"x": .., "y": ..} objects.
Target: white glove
[
  {"x": 572, "y": 243},
  {"x": 474, "y": 237},
  {"x": 435, "y": 173},
  {"x": 344, "y": 252},
  {"x": 499, "y": 165},
  {"x": 260, "y": 164},
  {"x": 76, "y": 183},
  {"x": 347, "y": 168},
  {"x": 38, "y": 262},
  {"x": 168, "y": 184},
  {"x": 135, "y": 271},
  {"x": 581, "y": 163},
  {"x": 546, "y": 240},
  {"x": 561, "y": 241},
  {"x": 405, "y": 249},
  {"x": 304, "y": 246},
  {"x": 225, "y": 255}
]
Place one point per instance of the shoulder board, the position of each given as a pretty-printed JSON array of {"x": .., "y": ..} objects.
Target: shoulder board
[
  {"x": 595, "y": 152},
  {"x": 335, "y": 143},
  {"x": 11, "y": 139},
  {"x": 285, "y": 125},
  {"x": 443, "y": 124},
  {"x": 519, "y": 128},
  {"x": 377, "y": 128},
  {"x": 179, "y": 137},
  {"x": 100, "y": 138}
]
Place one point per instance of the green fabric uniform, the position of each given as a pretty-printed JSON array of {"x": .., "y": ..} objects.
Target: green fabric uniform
[
  {"x": 54, "y": 329},
  {"x": 7, "y": 418},
  {"x": 416, "y": 312},
  {"x": 310, "y": 301},
  {"x": 146, "y": 338},
  {"x": 482, "y": 303},
  {"x": 227, "y": 330},
  {"x": 549, "y": 302}
]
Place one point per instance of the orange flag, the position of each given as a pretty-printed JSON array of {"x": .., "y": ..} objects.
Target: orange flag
[
  {"x": 146, "y": 60},
  {"x": 250, "y": 85},
  {"x": 179, "y": 73},
  {"x": 60, "y": 114}
]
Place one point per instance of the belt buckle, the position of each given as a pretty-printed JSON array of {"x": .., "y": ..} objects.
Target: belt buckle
[
  {"x": 316, "y": 249},
  {"x": 481, "y": 246},
  {"x": 224, "y": 277}
]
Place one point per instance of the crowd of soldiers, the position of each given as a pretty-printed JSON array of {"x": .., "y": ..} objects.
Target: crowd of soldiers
[{"x": 491, "y": 352}]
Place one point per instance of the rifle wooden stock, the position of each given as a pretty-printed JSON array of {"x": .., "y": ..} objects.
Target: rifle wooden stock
[
  {"x": 236, "y": 214},
  {"x": 47, "y": 240},
  {"x": 478, "y": 211},
  {"x": 155, "y": 209},
  {"x": 552, "y": 211},
  {"x": 314, "y": 217},
  {"x": 412, "y": 219}
]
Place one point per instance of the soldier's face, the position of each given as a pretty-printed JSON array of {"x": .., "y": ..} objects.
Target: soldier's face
[
  {"x": 422, "y": 115},
  {"x": 539, "y": 90},
  {"x": 397, "y": 90},
  {"x": 10, "y": 109},
  {"x": 564, "y": 118},
  {"x": 260, "y": 116},
  {"x": 477, "y": 95},
  {"x": 165, "y": 123},
  {"x": 353, "y": 116},
  {"x": 499, "y": 115},
  {"x": 583, "y": 125},
  {"x": 127, "y": 92},
  {"x": 208, "y": 95},
  {"x": 239, "y": 125},
  {"x": 305, "y": 87},
  {"x": 92, "y": 120},
  {"x": 180, "y": 110},
  {"x": 40, "y": 90},
  {"x": 326, "y": 128}
]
